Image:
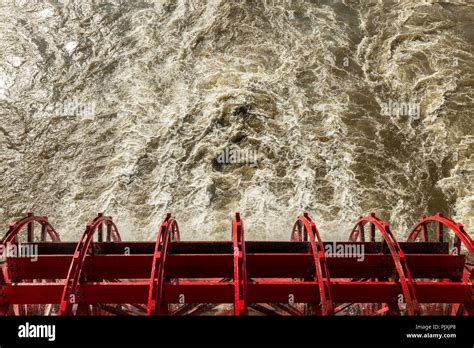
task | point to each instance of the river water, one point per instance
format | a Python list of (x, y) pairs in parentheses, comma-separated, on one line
[(337, 108)]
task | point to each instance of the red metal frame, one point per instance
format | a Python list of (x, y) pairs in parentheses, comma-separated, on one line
[(168, 232), (240, 267), (70, 292), (399, 259), (461, 237), (305, 229), (15, 228), (7, 276), (239, 277)]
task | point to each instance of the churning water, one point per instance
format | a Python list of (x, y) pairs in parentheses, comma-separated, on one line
[(338, 108)]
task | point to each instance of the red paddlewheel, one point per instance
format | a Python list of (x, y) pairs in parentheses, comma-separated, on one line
[(11, 242), (305, 230), (71, 297), (402, 272), (435, 228), (169, 232), (371, 274)]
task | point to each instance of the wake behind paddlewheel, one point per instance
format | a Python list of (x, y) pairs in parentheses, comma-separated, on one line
[(371, 274)]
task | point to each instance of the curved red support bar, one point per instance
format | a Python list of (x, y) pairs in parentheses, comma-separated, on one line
[(406, 280), (461, 235), (169, 231), (12, 237), (17, 227), (303, 230), (69, 295), (240, 267)]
